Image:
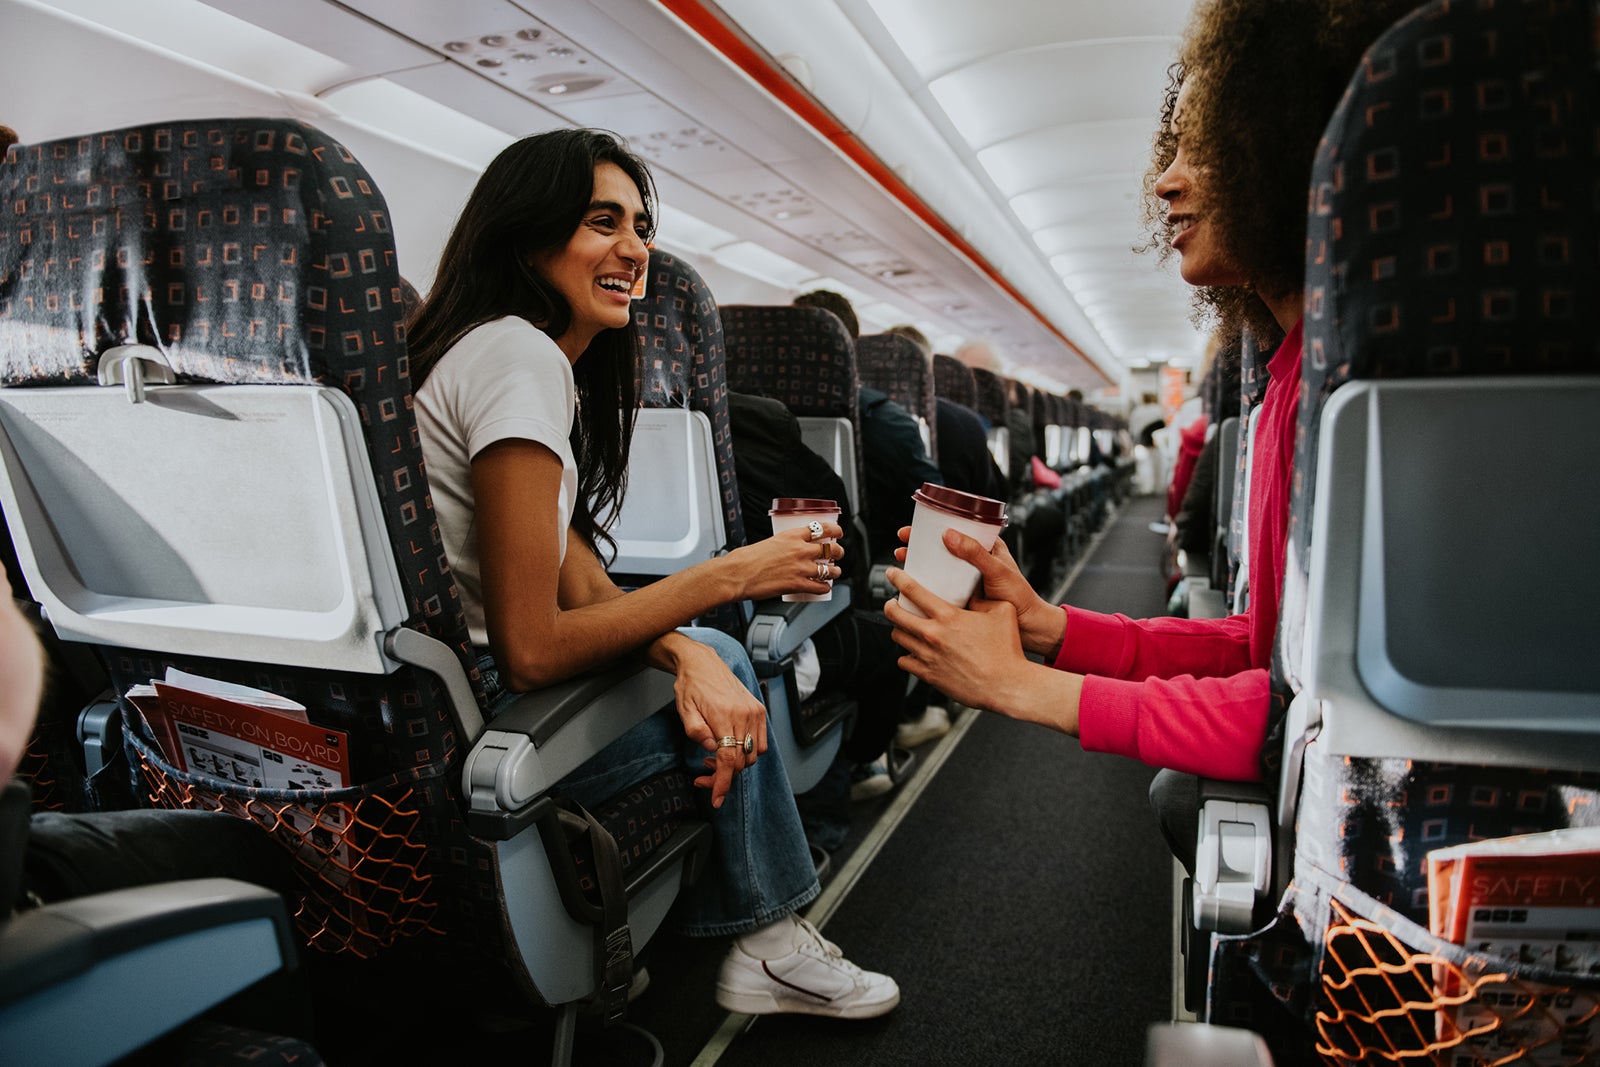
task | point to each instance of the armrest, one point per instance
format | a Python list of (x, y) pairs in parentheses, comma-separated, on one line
[(147, 959), (546, 734), (1206, 602), (1233, 858), (53, 943), (1204, 1045), (779, 628)]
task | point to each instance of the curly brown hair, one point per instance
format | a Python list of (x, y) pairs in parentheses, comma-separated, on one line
[(1263, 78)]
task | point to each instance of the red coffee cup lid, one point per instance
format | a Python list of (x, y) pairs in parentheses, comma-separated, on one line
[(982, 509), (799, 505)]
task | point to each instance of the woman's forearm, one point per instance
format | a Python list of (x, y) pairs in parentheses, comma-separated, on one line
[(1043, 695), (577, 638)]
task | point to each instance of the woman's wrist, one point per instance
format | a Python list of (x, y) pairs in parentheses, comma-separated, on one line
[(1045, 696), (1045, 629), (673, 650), (724, 577)]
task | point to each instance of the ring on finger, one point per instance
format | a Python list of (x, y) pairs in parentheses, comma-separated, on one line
[(816, 530), (823, 570), (827, 550)]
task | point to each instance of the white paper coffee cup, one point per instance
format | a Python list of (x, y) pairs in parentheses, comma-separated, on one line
[(791, 511), (939, 508)]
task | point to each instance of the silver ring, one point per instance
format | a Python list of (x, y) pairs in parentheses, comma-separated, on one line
[(822, 571), (729, 742), (816, 530), (749, 743)]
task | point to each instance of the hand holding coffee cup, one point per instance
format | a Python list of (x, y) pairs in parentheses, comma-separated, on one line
[(790, 512), (939, 508)]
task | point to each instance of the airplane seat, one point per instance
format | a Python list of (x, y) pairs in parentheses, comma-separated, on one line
[(1253, 359), (1227, 469), (683, 503), (952, 379), (993, 405), (410, 299), (209, 453), (1042, 520), (1050, 421), (53, 762), (804, 359), (1080, 476), (896, 367), (1438, 684)]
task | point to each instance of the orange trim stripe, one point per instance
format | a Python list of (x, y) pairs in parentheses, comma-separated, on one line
[(720, 33)]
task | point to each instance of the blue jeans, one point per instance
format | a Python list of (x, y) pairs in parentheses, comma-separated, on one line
[(760, 868)]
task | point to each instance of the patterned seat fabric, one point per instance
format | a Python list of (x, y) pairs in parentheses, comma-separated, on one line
[(992, 402), (1452, 233), (895, 366), (682, 363), (952, 379), (801, 357), (1254, 355), (259, 251)]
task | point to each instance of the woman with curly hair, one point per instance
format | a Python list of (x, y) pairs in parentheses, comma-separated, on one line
[(1253, 87)]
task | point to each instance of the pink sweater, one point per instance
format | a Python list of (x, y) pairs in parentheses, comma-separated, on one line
[(1192, 694)]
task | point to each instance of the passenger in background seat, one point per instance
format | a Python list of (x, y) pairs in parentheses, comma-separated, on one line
[(1194, 523), (964, 459), (1256, 81), (981, 355), (896, 465), (896, 462), (855, 652), (523, 355)]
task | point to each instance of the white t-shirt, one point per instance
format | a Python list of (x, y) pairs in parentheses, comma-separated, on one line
[(504, 379)]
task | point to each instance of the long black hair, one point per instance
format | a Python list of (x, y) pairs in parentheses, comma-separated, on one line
[(532, 199)]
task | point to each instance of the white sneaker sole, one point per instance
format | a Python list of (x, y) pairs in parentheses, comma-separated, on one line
[(914, 738), (767, 1004)]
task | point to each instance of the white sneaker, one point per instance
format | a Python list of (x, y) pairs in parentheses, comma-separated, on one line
[(870, 780), (934, 722), (813, 979)]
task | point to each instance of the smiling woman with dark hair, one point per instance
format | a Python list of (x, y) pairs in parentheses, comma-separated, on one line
[(524, 359)]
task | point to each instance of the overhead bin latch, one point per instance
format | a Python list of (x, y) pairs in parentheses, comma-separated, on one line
[(133, 366)]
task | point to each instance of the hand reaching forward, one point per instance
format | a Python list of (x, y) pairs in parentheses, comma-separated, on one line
[(971, 655), (974, 656), (1039, 623)]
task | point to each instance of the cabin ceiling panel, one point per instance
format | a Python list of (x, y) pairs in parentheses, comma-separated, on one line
[(1063, 153), (1100, 233), (334, 30), (1086, 200), (658, 131), (427, 20), (1059, 84), (458, 88), (939, 36)]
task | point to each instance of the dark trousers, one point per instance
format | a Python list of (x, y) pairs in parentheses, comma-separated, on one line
[(859, 657), (71, 856)]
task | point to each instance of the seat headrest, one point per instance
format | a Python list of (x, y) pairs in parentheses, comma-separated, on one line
[(245, 250)]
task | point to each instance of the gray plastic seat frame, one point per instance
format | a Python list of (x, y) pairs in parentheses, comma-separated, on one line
[(130, 529)]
